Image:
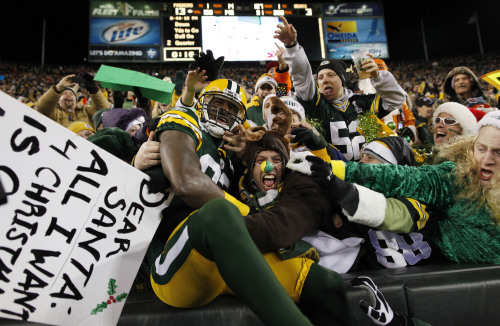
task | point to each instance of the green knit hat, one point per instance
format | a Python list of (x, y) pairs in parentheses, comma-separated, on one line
[(97, 117), (117, 142)]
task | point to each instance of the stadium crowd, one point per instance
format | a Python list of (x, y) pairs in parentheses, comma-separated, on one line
[(27, 81), (423, 187)]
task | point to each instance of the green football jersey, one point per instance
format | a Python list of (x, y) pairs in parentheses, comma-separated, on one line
[(214, 161), (340, 125)]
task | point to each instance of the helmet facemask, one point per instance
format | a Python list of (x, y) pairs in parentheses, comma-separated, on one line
[(217, 119)]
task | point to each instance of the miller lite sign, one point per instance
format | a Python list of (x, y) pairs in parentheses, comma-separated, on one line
[(125, 31)]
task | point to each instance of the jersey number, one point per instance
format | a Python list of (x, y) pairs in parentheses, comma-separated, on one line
[(214, 170), (351, 148)]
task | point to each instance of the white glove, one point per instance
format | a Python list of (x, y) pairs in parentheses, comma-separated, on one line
[(299, 163), (378, 310)]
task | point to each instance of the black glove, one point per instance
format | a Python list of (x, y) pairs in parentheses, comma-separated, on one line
[(87, 82), (118, 98), (143, 103), (379, 311), (158, 181), (153, 123), (179, 81), (335, 189), (307, 137), (208, 63)]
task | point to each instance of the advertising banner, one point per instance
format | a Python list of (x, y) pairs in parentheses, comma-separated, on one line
[(125, 9), (125, 31), (342, 36)]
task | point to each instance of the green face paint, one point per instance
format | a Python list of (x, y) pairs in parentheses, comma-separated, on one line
[(266, 167)]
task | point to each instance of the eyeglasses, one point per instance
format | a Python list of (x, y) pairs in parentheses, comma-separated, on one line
[(446, 121)]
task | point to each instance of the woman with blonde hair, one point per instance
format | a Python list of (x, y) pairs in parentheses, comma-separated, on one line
[(462, 191)]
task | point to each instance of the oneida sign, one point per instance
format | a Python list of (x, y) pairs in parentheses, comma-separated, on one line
[(124, 9)]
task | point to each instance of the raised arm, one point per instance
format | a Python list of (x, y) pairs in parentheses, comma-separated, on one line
[(295, 57)]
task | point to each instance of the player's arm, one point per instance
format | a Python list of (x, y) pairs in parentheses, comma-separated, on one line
[(182, 167)]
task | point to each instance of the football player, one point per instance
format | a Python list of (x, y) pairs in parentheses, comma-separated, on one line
[(210, 251)]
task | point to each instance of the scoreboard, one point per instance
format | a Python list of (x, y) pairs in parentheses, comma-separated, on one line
[(177, 31), (240, 9), (183, 27)]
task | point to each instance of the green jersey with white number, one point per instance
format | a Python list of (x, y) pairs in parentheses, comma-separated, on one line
[(214, 161), (339, 122)]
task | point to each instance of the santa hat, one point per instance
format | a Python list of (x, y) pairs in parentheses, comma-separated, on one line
[(266, 79), (459, 112), (272, 64), (490, 119)]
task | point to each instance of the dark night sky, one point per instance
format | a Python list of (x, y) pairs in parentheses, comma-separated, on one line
[(447, 33)]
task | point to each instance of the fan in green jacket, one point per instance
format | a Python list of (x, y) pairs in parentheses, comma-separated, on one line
[(463, 191)]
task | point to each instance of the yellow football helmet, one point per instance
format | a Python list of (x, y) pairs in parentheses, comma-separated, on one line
[(221, 106)]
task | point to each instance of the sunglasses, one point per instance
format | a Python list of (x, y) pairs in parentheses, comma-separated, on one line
[(446, 121)]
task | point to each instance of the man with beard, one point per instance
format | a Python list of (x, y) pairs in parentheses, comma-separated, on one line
[(59, 102), (462, 86)]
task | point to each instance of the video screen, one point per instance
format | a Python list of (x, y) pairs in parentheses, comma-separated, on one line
[(240, 38)]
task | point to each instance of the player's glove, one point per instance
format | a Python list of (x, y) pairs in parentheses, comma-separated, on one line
[(208, 63), (378, 310), (180, 78), (158, 182)]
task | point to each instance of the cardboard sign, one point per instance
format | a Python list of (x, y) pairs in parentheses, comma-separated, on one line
[(75, 223), (125, 80)]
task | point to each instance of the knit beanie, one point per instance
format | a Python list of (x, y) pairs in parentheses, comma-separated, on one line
[(117, 142), (295, 106), (266, 79), (97, 117), (392, 150), (336, 65), (459, 112), (72, 91), (78, 126), (490, 119)]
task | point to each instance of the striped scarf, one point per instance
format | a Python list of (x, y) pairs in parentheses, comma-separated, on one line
[(259, 200)]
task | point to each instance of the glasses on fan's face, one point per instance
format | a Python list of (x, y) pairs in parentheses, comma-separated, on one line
[(446, 121)]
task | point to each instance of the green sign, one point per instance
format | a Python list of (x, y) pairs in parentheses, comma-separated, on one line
[(125, 80)]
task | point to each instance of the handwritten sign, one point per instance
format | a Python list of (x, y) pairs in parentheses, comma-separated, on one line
[(75, 223)]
